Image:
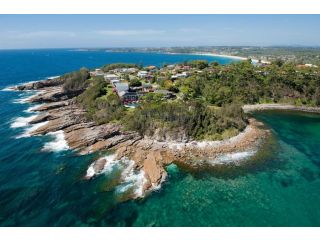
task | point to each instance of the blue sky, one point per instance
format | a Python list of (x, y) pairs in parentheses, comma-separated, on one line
[(67, 31)]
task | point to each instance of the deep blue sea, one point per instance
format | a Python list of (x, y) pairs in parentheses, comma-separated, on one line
[(278, 187)]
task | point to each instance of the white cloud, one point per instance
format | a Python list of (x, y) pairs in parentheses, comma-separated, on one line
[(130, 32)]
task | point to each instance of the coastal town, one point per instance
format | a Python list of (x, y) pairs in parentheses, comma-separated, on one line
[(130, 84), (133, 82)]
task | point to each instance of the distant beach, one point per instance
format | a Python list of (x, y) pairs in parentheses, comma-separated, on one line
[(229, 56)]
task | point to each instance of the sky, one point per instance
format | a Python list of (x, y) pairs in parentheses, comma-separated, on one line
[(80, 31)]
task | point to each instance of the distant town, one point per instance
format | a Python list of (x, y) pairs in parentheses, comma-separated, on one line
[(295, 54)]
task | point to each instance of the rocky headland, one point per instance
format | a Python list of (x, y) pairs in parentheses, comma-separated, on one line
[(60, 112)]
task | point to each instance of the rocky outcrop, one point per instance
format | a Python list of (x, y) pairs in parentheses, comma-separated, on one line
[(50, 106), (153, 155), (53, 94), (276, 106), (41, 84), (111, 142), (163, 135), (150, 154), (85, 137)]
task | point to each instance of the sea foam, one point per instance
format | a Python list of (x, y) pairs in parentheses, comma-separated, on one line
[(26, 99), (8, 89), (22, 121), (33, 108), (108, 166), (235, 157), (58, 144), (132, 179), (31, 129)]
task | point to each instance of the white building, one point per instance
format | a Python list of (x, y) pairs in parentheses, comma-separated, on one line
[(142, 74), (111, 77), (180, 75)]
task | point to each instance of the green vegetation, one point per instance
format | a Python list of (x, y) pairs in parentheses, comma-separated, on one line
[(208, 103), (248, 84), (113, 66), (196, 119), (199, 64), (135, 83), (76, 81), (100, 106)]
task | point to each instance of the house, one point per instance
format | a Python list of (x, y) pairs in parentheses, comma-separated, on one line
[(125, 70), (126, 94), (97, 72), (142, 74), (121, 87), (310, 65), (179, 75), (113, 82), (171, 66), (111, 77), (186, 68), (151, 68), (146, 87), (129, 70), (128, 97)]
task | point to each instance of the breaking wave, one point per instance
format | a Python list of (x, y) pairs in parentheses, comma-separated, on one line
[(235, 157), (58, 144), (33, 108), (108, 166), (31, 129), (130, 181), (22, 121), (26, 99)]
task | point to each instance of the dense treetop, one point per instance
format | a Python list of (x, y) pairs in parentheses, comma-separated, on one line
[(209, 100)]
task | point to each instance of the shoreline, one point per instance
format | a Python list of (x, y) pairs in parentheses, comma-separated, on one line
[(59, 116), (229, 56), (279, 106)]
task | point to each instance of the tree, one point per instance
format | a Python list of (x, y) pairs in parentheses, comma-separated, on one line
[(135, 83), (317, 96), (279, 62), (76, 81)]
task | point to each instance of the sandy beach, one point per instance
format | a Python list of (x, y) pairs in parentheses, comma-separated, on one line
[(229, 56)]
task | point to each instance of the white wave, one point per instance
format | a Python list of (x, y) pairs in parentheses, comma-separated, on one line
[(58, 144), (52, 77), (21, 100), (233, 157), (90, 171), (31, 129), (22, 121), (132, 179), (108, 166), (26, 99), (8, 89), (33, 108)]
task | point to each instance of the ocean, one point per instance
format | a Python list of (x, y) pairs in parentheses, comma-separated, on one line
[(42, 181)]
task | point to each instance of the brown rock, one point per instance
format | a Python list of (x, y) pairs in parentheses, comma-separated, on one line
[(152, 168)]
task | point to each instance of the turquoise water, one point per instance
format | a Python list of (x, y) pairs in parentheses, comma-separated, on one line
[(280, 186)]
